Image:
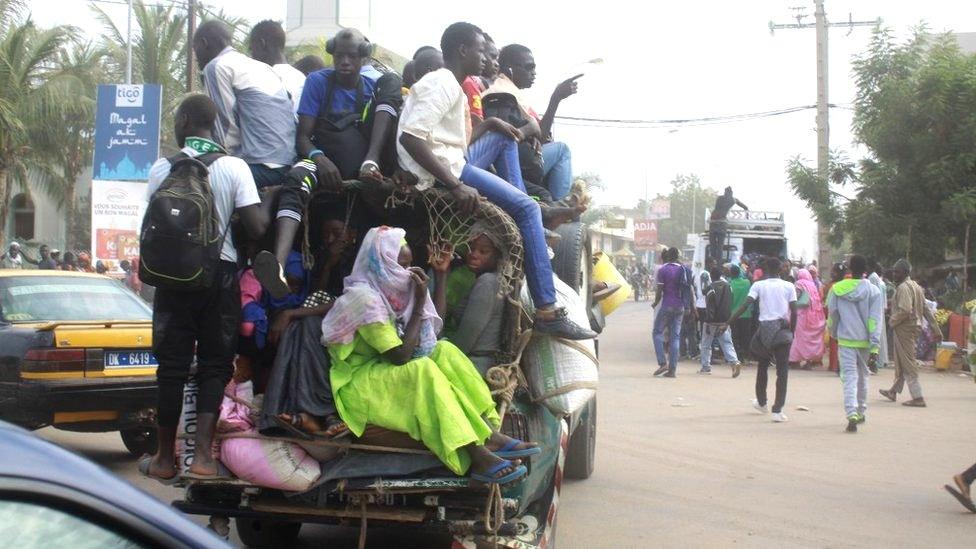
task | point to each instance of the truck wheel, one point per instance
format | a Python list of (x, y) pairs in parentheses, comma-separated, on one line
[(266, 533), (573, 261), (581, 455), (139, 440)]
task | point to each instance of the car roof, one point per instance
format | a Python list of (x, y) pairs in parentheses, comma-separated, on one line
[(5, 273), (27, 456)]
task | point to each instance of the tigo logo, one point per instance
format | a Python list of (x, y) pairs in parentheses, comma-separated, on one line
[(128, 95)]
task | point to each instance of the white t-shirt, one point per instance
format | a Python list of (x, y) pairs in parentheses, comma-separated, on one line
[(435, 111), (233, 187), (774, 296), (294, 80)]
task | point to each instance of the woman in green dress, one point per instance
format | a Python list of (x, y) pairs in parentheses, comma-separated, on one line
[(389, 370)]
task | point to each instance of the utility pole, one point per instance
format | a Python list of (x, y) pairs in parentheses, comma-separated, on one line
[(822, 27), (191, 27), (128, 46)]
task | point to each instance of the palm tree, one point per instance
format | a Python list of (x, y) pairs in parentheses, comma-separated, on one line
[(37, 94)]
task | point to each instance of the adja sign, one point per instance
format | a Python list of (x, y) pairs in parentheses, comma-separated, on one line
[(645, 234)]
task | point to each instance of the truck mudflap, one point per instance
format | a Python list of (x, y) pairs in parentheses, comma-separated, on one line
[(532, 530)]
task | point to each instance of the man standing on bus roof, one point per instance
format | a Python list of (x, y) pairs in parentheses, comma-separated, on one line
[(717, 224)]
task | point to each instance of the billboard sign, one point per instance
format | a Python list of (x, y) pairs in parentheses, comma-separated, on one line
[(126, 131), (660, 209), (645, 234), (117, 210)]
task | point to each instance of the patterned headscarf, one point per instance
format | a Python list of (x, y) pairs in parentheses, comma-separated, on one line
[(379, 290)]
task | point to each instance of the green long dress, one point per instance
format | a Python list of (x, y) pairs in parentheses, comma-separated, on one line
[(440, 400)]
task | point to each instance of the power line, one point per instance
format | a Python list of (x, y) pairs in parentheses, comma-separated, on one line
[(680, 122)]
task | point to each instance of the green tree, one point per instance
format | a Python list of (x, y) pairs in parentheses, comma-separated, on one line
[(913, 111), (38, 92), (689, 200), (962, 206)]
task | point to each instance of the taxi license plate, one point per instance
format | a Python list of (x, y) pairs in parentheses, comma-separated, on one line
[(129, 359)]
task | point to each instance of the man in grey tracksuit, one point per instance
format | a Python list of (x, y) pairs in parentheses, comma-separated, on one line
[(854, 320)]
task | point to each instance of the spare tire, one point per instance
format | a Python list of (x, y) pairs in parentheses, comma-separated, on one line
[(573, 264)]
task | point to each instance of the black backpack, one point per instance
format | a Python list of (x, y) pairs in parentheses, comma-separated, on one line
[(181, 239), (506, 107)]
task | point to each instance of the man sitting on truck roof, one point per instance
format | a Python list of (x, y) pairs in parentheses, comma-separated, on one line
[(432, 144), (346, 123)]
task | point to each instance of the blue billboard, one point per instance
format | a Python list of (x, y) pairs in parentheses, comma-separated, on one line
[(126, 131)]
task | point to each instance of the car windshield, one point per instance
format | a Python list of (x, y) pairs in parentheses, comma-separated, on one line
[(53, 298)]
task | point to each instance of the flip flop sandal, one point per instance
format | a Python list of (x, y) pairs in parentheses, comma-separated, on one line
[(292, 427), (510, 450), (966, 502), (144, 469), (600, 295), (198, 476), (270, 274), (335, 428), (491, 476)]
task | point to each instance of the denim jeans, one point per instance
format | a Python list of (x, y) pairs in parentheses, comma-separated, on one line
[(502, 152), (668, 318), (724, 341), (557, 169)]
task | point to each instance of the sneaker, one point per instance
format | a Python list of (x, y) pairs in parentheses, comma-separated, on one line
[(852, 421), (270, 274), (761, 407), (736, 369), (780, 417), (861, 418), (561, 326), (888, 394), (661, 370), (915, 403), (704, 372), (670, 374)]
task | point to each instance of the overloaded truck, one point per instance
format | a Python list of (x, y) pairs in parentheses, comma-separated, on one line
[(748, 232), (385, 480)]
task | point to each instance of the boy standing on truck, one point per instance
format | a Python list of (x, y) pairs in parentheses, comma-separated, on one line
[(854, 320)]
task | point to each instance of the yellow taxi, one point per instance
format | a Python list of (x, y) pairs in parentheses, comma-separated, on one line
[(76, 353)]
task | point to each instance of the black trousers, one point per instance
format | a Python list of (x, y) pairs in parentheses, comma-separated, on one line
[(782, 357), (716, 239), (208, 320), (741, 336)]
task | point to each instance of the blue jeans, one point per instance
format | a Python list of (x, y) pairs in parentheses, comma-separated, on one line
[(494, 149), (724, 341), (557, 169), (668, 318)]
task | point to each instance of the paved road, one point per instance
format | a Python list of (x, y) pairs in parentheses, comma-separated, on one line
[(714, 473)]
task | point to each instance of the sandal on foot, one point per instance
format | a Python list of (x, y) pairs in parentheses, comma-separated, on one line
[(491, 476), (199, 476), (335, 427), (292, 426), (144, 462), (509, 450), (270, 274), (965, 501)]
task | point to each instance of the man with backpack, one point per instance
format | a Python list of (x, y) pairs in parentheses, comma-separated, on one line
[(671, 294), (718, 309), (197, 303)]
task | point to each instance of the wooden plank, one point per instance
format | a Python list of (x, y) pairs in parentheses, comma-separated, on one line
[(372, 512)]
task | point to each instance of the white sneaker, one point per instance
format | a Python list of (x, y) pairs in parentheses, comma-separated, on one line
[(761, 407), (780, 417)]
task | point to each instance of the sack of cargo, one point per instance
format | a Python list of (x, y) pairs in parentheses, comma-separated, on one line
[(561, 374), (271, 464), (604, 271), (187, 428)]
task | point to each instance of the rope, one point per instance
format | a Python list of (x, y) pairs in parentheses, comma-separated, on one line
[(494, 512), (362, 524)]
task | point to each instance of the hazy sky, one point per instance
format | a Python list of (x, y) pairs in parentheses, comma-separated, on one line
[(663, 60)]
